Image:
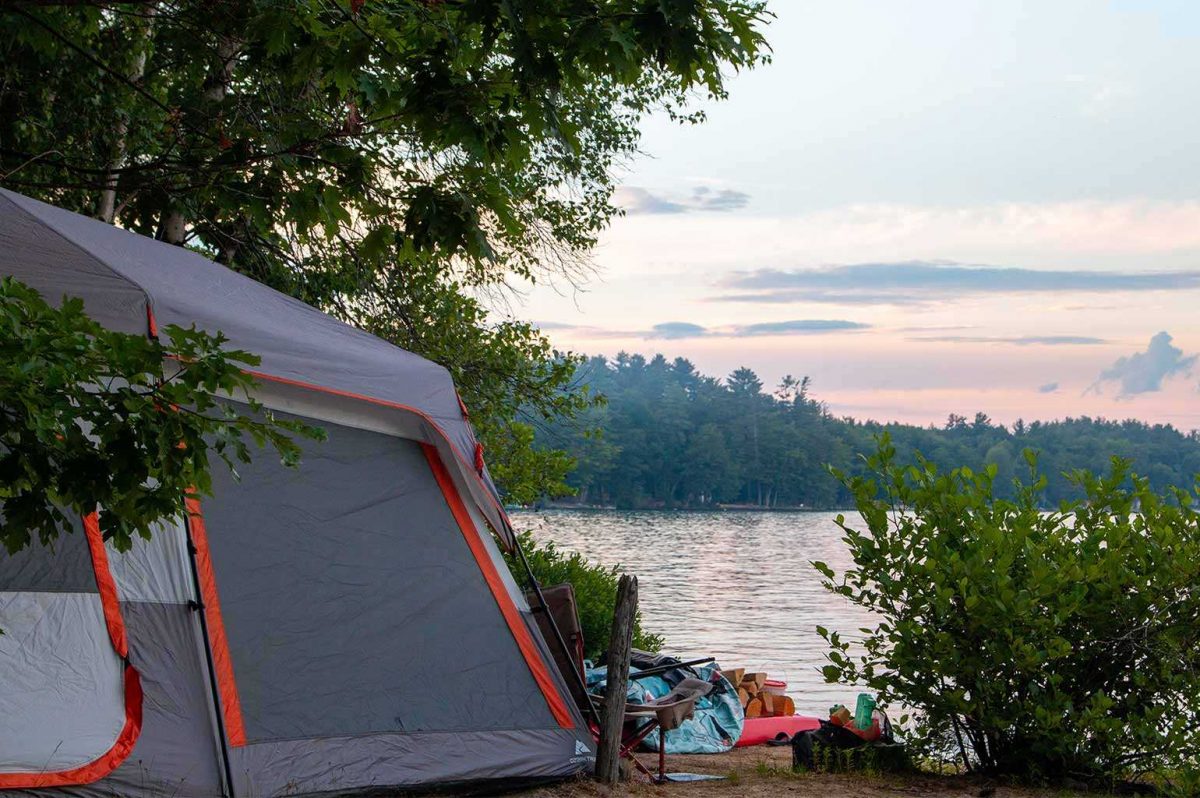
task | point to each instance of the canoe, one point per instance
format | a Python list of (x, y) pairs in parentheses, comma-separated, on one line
[(758, 731)]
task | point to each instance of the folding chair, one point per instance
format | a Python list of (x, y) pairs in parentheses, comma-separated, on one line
[(666, 713)]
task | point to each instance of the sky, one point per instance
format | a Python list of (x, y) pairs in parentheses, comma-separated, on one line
[(928, 208)]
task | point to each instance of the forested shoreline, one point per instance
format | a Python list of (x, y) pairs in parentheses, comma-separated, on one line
[(670, 437)]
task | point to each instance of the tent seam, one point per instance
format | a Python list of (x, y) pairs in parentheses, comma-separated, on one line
[(229, 698)]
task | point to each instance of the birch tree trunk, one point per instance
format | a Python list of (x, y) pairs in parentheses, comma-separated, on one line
[(142, 31), (173, 229)]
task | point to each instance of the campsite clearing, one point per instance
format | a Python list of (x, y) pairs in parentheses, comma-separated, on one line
[(766, 771)]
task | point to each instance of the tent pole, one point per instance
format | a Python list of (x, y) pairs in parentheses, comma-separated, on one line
[(537, 589), (198, 606)]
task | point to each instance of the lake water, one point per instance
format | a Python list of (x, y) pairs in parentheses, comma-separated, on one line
[(734, 585)]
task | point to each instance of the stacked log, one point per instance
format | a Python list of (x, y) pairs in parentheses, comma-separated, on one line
[(757, 701)]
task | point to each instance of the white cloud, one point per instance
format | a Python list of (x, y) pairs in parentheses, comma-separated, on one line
[(636, 200)]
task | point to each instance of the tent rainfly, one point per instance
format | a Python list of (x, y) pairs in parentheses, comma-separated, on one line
[(345, 626)]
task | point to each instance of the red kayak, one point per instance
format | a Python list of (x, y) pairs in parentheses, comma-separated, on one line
[(758, 731)]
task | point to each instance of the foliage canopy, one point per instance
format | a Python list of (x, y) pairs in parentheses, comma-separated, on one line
[(1038, 644), (395, 162)]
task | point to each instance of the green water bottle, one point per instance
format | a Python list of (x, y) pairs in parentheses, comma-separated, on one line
[(863, 711)]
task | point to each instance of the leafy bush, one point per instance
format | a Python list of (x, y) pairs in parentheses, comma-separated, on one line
[(1029, 642), (595, 592), (88, 418)]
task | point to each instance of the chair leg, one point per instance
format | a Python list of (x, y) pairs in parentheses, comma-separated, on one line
[(637, 763), (633, 741), (662, 755)]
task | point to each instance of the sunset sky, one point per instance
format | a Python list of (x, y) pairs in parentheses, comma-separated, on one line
[(928, 208)]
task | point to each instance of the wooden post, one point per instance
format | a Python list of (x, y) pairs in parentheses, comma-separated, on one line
[(612, 715)]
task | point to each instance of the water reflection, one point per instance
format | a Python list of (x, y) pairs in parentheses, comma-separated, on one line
[(734, 585)]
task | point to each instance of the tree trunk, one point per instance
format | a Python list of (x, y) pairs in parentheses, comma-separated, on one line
[(106, 211), (228, 48), (612, 715), (173, 228)]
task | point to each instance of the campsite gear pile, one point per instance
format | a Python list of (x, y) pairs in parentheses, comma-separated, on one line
[(716, 723), (662, 694), (719, 717), (760, 696), (846, 742), (281, 638)]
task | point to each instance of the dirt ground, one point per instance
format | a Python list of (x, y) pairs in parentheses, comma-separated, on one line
[(766, 771)]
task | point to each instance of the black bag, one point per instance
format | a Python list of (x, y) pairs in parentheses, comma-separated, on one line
[(803, 745), (830, 735)]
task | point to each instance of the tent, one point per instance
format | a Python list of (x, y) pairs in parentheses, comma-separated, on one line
[(345, 626)]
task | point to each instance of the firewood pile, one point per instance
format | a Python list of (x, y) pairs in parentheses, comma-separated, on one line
[(760, 697)]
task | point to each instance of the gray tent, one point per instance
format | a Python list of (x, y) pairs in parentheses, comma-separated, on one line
[(343, 626)]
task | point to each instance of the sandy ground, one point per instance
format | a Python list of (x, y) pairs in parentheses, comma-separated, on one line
[(766, 771)]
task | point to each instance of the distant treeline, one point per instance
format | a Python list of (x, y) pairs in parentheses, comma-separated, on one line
[(669, 436)]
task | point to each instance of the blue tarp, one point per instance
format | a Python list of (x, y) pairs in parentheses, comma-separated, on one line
[(719, 718)]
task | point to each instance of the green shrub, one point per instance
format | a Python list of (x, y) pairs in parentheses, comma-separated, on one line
[(595, 592), (1035, 643)]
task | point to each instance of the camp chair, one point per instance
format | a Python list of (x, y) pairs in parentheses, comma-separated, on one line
[(558, 619), (665, 714)]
